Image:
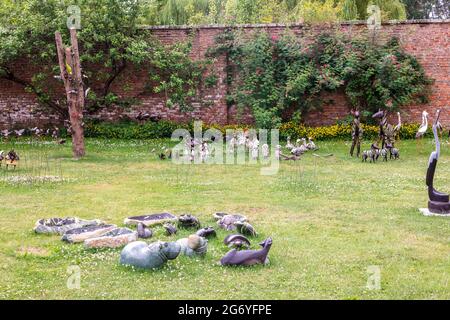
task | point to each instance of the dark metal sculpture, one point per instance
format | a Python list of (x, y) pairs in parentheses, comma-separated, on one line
[(170, 229), (246, 228), (388, 132), (115, 238), (194, 245), (144, 232), (207, 232), (438, 202), (357, 134), (151, 219), (248, 257), (237, 241), (188, 221), (149, 256)]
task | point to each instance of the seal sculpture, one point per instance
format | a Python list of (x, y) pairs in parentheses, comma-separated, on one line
[(248, 257), (194, 245), (228, 221), (149, 256), (438, 202)]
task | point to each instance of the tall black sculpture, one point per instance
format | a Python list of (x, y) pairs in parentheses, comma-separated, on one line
[(438, 202), (357, 134)]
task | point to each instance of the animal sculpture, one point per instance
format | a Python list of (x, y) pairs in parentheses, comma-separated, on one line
[(149, 256), (194, 245), (248, 257), (236, 241), (424, 126), (439, 202), (357, 133)]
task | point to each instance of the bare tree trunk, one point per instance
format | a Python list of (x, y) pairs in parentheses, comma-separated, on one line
[(69, 63)]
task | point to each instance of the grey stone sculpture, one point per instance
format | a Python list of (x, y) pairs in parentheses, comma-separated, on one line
[(237, 241), (207, 232), (143, 232), (154, 255), (115, 238), (83, 233), (245, 228), (151, 219), (62, 225), (248, 257), (194, 245), (170, 229), (228, 221)]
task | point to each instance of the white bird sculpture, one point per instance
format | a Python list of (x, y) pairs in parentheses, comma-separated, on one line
[(311, 145), (424, 126), (20, 132), (289, 145)]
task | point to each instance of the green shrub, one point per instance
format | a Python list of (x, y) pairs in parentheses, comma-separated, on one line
[(164, 129)]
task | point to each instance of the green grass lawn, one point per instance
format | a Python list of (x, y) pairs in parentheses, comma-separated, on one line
[(330, 220)]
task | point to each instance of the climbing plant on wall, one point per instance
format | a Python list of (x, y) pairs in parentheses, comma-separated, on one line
[(275, 74)]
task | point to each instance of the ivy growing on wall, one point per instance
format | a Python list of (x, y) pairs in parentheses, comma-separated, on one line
[(272, 75)]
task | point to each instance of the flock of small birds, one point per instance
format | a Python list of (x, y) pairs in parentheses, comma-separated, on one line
[(37, 132)]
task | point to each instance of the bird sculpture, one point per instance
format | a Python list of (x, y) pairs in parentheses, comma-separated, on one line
[(311, 145), (6, 133), (20, 132), (300, 148), (2, 157), (289, 145), (424, 126)]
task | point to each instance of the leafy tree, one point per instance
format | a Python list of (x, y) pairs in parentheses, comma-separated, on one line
[(178, 12), (349, 10), (427, 9), (110, 39)]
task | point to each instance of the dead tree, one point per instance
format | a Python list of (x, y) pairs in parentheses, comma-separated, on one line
[(69, 63)]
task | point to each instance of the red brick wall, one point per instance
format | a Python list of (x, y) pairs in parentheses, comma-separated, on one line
[(428, 41)]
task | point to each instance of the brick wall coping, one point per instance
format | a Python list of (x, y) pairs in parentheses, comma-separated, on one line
[(275, 25)]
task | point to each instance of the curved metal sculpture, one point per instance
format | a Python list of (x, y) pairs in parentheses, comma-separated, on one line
[(438, 202)]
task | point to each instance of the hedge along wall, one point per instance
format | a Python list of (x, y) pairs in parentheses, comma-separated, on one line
[(428, 40)]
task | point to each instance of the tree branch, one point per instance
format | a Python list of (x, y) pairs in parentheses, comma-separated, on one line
[(9, 75)]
